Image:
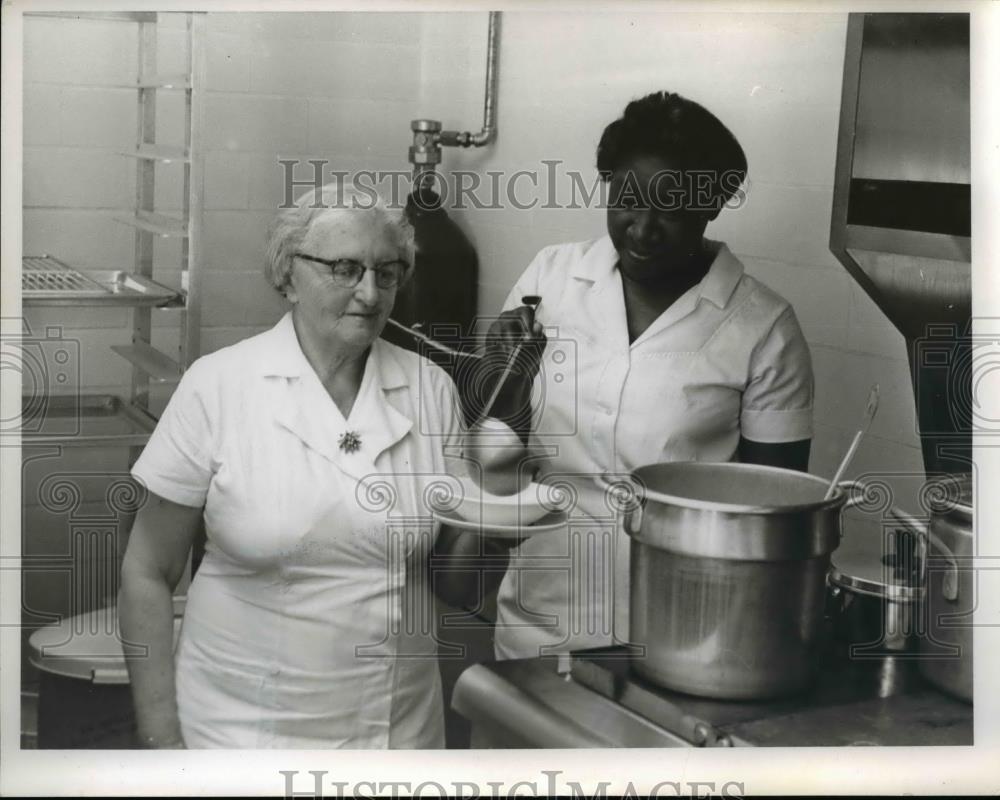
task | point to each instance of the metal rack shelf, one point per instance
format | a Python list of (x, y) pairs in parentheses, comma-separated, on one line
[(165, 82), (159, 367), (47, 281), (85, 421), (107, 420), (157, 224), (166, 155)]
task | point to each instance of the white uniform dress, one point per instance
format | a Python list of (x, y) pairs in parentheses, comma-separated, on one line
[(726, 359), (309, 621)]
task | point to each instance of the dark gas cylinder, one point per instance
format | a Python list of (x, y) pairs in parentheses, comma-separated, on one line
[(442, 292), (441, 295)]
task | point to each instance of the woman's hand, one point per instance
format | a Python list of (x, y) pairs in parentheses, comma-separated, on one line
[(510, 330), (467, 569)]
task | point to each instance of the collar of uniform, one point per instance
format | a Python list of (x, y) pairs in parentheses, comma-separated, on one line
[(283, 357), (598, 261), (718, 285), (375, 416), (723, 275)]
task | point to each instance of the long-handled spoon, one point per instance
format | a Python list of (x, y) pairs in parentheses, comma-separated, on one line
[(532, 301), (870, 411), (432, 342)]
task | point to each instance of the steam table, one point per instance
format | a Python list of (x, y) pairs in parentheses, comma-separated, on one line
[(590, 699)]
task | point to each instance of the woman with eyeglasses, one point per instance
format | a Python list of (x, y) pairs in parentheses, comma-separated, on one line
[(308, 623)]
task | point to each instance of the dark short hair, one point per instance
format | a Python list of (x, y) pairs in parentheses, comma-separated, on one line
[(671, 127)]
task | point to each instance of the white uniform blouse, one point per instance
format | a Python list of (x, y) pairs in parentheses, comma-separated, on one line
[(309, 623), (726, 359)]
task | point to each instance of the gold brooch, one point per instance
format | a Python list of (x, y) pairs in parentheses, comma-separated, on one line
[(349, 442)]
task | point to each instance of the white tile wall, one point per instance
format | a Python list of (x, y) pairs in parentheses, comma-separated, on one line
[(869, 330), (227, 183), (234, 239), (75, 177), (98, 117), (255, 122), (87, 238), (228, 68), (241, 298), (42, 115), (819, 296), (360, 127), (82, 52)]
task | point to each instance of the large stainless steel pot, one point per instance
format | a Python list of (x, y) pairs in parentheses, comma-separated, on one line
[(945, 644), (728, 576)]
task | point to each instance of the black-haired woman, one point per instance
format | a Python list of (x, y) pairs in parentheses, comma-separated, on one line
[(661, 348)]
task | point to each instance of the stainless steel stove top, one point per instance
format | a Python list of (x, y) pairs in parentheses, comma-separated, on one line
[(592, 699)]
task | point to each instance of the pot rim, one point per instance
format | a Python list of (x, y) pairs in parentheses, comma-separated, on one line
[(835, 501), (893, 592)]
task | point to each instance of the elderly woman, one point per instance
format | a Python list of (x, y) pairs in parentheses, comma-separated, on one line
[(307, 623), (679, 355)]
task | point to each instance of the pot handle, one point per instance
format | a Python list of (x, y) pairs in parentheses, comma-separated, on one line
[(949, 587), (633, 518), (853, 498), (949, 584)]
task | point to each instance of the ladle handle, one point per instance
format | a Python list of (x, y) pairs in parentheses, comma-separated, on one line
[(531, 301), (420, 337), (871, 408)]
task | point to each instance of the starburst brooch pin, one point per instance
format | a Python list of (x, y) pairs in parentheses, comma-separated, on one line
[(350, 442)]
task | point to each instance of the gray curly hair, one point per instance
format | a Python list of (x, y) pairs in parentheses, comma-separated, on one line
[(290, 226)]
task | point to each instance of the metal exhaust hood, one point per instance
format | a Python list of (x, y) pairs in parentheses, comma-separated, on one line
[(902, 206)]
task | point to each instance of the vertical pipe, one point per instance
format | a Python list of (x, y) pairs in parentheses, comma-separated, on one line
[(486, 135)]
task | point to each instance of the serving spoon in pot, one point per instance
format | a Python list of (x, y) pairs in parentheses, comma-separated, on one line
[(870, 411)]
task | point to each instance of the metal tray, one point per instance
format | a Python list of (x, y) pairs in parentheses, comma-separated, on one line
[(47, 281)]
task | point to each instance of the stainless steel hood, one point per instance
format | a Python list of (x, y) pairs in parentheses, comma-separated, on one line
[(902, 206)]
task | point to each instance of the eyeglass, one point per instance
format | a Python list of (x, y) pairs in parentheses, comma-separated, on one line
[(347, 272)]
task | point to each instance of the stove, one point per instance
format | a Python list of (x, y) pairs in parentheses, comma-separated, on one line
[(592, 699)]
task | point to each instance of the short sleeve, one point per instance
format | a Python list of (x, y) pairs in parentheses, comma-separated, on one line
[(778, 400), (452, 424), (177, 461)]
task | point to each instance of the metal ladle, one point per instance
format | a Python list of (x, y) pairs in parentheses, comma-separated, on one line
[(870, 411), (431, 342), (532, 301)]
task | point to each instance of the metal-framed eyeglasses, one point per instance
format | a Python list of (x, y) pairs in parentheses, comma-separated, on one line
[(347, 273)]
